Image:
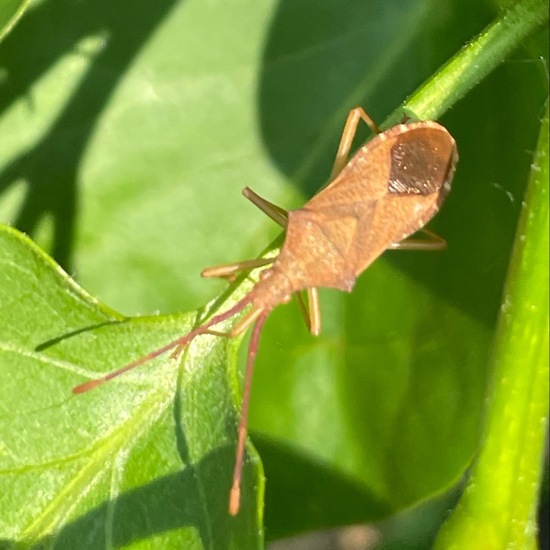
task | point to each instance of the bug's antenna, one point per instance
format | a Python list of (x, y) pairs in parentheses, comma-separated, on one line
[(177, 343), (235, 495)]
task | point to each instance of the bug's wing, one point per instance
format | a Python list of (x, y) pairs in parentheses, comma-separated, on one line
[(364, 178), (394, 219), (421, 162), (406, 159), (391, 188), (326, 231)]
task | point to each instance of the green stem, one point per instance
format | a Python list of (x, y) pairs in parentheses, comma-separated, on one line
[(477, 59), (10, 12), (499, 506)]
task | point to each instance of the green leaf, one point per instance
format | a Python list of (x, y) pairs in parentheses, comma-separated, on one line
[(500, 503), (159, 446)]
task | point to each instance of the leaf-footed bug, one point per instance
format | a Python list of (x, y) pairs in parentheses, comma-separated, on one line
[(389, 189)]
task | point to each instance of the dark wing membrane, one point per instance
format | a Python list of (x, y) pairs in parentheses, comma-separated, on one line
[(420, 161)]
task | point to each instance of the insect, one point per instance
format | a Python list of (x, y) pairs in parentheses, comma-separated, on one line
[(389, 190)]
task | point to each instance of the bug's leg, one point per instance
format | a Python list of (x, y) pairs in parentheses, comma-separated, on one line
[(314, 311), (235, 494), (276, 213), (350, 129), (433, 242), (303, 308), (239, 328), (229, 271), (311, 312)]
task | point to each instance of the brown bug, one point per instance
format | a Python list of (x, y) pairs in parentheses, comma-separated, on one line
[(389, 190)]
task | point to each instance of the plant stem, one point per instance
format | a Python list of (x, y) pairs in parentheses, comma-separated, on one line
[(474, 61), (499, 506)]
